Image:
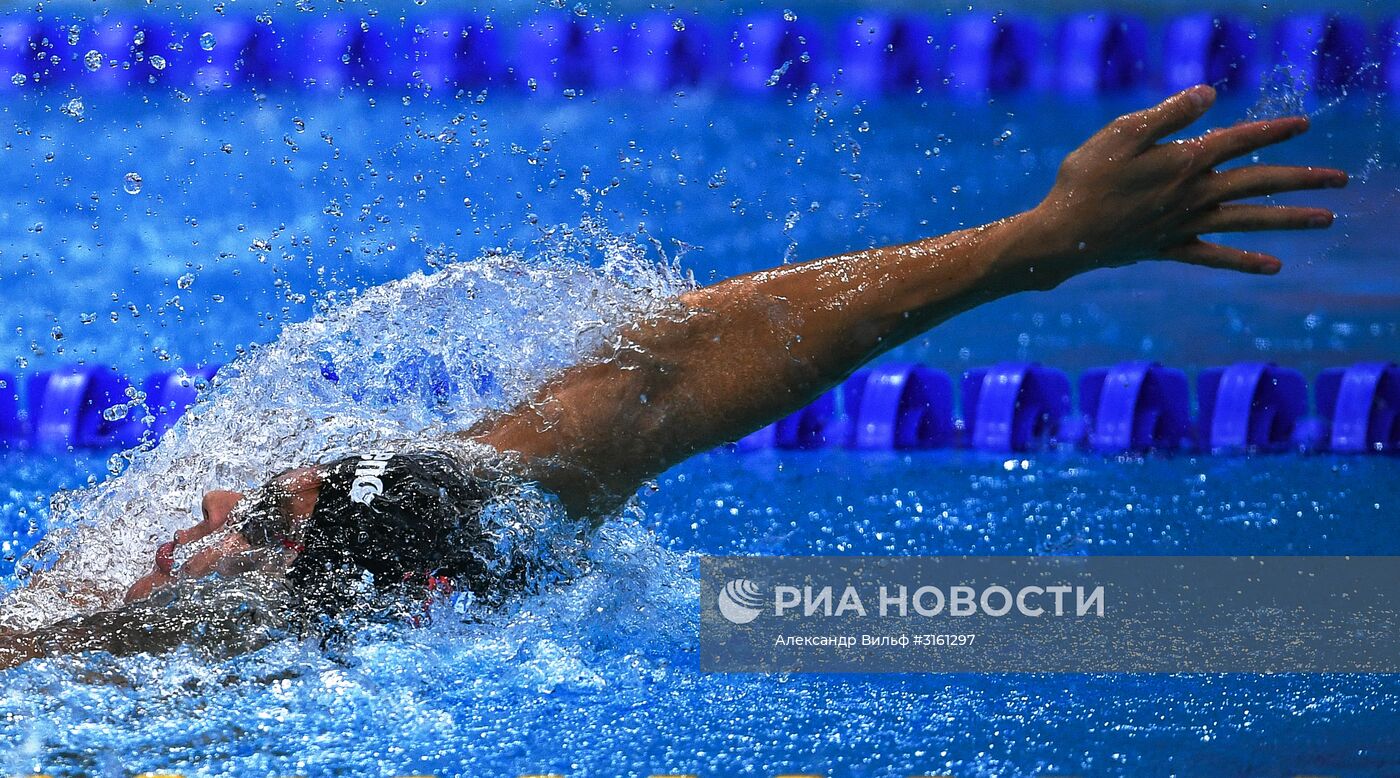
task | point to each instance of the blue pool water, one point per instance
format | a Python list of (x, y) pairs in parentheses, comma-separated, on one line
[(255, 213)]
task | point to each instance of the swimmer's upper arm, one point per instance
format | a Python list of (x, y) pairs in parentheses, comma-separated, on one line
[(705, 370)]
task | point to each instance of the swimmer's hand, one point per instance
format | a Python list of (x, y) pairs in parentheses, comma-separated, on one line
[(1126, 195)]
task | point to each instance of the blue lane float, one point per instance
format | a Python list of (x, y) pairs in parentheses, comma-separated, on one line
[(324, 54), (901, 407), (1101, 52), (1013, 406), (885, 53), (769, 52), (1251, 406), (220, 52), (170, 394), (66, 407), (1135, 407), (666, 53), (810, 427), (1325, 51), (1361, 406), (994, 54), (1206, 48)]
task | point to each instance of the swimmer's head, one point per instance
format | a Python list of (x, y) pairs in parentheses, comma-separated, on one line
[(237, 532)]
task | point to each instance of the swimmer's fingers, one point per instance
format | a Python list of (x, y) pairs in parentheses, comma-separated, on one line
[(1263, 180), (1253, 218), (1170, 116), (1199, 252), (1220, 146)]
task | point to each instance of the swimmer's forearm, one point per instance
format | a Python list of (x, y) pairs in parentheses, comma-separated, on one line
[(148, 626)]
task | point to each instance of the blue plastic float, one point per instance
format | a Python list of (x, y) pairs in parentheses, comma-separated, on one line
[(1101, 52), (1208, 49), (1251, 406), (1327, 52), (1361, 406), (170, 394), (1135, 407), (994, 54), (1013, 406), (666, 52), (323, 54), (885, 53), (66, 407), (770, 52), (902, 406), (809, 427)]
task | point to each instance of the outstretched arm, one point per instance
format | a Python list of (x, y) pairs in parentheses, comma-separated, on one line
[(728, 358)]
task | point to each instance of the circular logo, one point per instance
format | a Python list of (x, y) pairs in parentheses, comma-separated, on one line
[(740, 602)]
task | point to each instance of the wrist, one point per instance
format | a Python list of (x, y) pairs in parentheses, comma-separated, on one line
[(1027, 253)]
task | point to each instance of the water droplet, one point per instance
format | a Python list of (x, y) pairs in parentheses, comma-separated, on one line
[(18, 79), (93, 60), (185, 281), (131, 183), (158, 62), (299, 123), (678, 25), (206, 41), (789, 15), (227, 148), (777, 75), (73, 108), (73, 33)]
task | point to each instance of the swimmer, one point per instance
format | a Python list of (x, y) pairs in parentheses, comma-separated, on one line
[(719, 362)]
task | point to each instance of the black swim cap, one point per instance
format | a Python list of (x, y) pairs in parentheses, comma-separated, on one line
[(401, 518)]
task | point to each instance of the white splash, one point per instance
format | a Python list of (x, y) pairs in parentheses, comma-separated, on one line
[(413, 359)]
